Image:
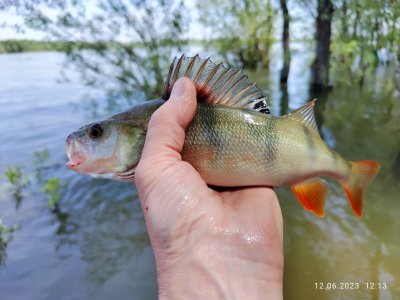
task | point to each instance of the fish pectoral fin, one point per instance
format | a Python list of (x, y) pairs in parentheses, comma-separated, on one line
[(216, 84), (312, 193)]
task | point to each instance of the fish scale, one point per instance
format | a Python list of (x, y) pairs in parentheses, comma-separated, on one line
[(246, 152)]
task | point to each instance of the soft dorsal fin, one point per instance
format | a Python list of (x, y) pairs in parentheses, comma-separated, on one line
[(305, 115), (216, 84)]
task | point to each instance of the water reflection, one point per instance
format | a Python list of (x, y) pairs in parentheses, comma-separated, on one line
[(110, 222), (65, 227), (284, 99), (3, 252), (396, 165), (319, 108), (6, 235), (109, 104), (359, 124)]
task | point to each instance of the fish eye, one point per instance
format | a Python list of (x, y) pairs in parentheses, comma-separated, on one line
[(95, 130)]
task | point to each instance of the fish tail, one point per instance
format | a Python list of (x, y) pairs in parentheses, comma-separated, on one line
[(362, 174)]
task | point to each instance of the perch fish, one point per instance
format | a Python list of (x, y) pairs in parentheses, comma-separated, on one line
[(233, 140)]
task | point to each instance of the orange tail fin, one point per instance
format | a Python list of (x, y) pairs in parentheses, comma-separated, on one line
[(362, 174)]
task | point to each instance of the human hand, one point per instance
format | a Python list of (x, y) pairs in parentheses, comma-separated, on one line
[(207, 244)]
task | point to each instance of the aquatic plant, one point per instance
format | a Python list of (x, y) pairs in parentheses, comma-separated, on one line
[(6, 235), (40, 158), (14, 175), (18, 181), (52, 188)]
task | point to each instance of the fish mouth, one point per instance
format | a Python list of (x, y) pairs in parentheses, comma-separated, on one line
[(75, 157), (72, 164)]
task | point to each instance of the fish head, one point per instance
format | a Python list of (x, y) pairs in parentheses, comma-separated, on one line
[(109, 147), (112, 147)]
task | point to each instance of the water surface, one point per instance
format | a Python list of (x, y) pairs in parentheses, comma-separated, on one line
[(96, 246)]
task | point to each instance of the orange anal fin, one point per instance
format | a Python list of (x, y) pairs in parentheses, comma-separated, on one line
[(362, 174), (311, 194)]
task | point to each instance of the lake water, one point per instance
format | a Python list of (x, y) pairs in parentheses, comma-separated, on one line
[(96, 246)]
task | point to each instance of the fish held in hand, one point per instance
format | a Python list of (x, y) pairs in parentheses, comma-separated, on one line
[(233, 140)]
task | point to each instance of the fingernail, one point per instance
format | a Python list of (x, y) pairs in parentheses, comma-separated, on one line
[(178, 90)]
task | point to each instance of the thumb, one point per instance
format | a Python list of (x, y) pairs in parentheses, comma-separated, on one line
[(166, 132)]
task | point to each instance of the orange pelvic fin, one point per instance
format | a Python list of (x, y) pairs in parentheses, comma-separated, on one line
[(362, 174), (311, 194)]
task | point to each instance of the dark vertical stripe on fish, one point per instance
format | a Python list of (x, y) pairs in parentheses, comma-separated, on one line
[(310, 144), (309, 138), (271, 139), (334, 156), (210, 123), (202, 135)]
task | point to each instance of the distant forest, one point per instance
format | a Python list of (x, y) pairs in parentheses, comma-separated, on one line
[(15, 46)]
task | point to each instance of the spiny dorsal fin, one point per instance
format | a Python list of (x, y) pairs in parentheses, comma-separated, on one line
[(305, 115), (216, 84)]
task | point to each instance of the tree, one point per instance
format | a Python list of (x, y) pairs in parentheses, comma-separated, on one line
[(360, 29), (241, 29), (285, 42), (320, 66), (118, 45)]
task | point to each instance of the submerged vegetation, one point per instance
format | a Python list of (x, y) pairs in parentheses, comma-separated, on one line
[(6, 235), (52, 188), (14, 176), (17, 180)]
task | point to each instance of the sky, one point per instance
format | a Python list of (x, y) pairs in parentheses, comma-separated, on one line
[(10, 17), (301, 22), (8, 33)]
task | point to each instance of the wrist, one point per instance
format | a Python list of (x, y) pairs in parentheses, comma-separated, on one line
[(209, 272)]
